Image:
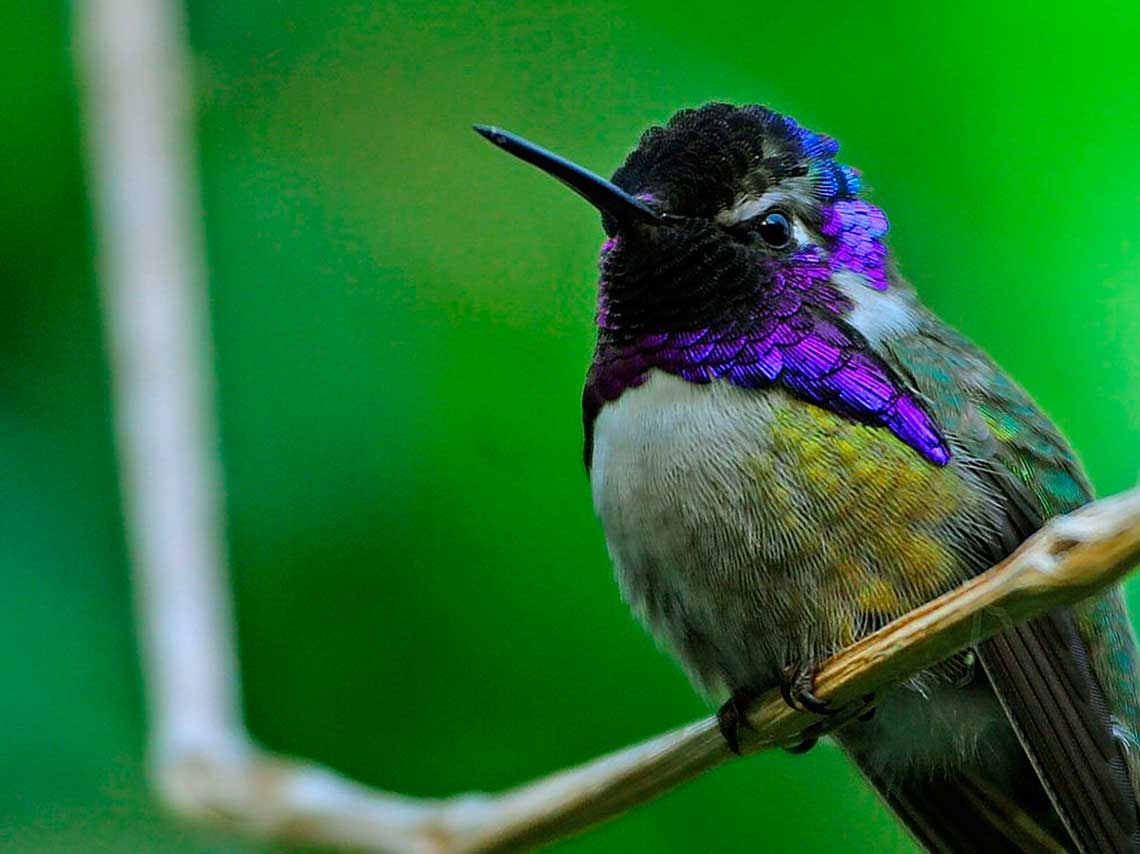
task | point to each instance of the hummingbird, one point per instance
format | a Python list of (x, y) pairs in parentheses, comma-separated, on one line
[(787, 450)]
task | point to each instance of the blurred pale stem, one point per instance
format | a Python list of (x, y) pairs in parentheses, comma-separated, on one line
[(135, 79), (135, 85)]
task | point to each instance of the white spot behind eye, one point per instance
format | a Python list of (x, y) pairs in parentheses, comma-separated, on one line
[(877, 314)]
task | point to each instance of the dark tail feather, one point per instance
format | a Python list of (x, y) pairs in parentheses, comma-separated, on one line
[(1042, 674), (962, 814)]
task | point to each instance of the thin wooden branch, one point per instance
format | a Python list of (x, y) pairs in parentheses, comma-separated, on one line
[(1071, 558), (134, 76)]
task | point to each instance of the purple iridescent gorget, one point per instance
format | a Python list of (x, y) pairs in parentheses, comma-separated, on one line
[(705, 306)]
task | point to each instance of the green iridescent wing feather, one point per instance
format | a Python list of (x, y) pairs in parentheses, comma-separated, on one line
[(1031, 453), (1035, 454), (1039, 458), (1068, 681)]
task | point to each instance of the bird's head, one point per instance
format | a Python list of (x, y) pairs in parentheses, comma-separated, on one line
[(722, 213), (738, 248)]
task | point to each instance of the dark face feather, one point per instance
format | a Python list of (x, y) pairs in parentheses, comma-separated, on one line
[(711, 264)]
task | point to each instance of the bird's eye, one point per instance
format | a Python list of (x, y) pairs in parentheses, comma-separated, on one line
[(775, 229)]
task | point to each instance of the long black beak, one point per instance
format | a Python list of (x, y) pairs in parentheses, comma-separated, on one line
[(605, 195)]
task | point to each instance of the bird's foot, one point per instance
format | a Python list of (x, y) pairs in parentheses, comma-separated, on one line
[(733, 715), (798, 691)]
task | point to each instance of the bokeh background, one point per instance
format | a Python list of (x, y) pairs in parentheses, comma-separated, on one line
[(402, 319)]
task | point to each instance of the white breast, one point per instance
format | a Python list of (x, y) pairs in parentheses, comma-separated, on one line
[(675, 440), (674, 487)]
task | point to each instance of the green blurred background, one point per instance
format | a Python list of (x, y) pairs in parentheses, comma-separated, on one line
[(402, 319)]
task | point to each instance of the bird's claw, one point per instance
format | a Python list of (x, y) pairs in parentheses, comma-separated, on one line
[(798, 691), (733, 715)]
